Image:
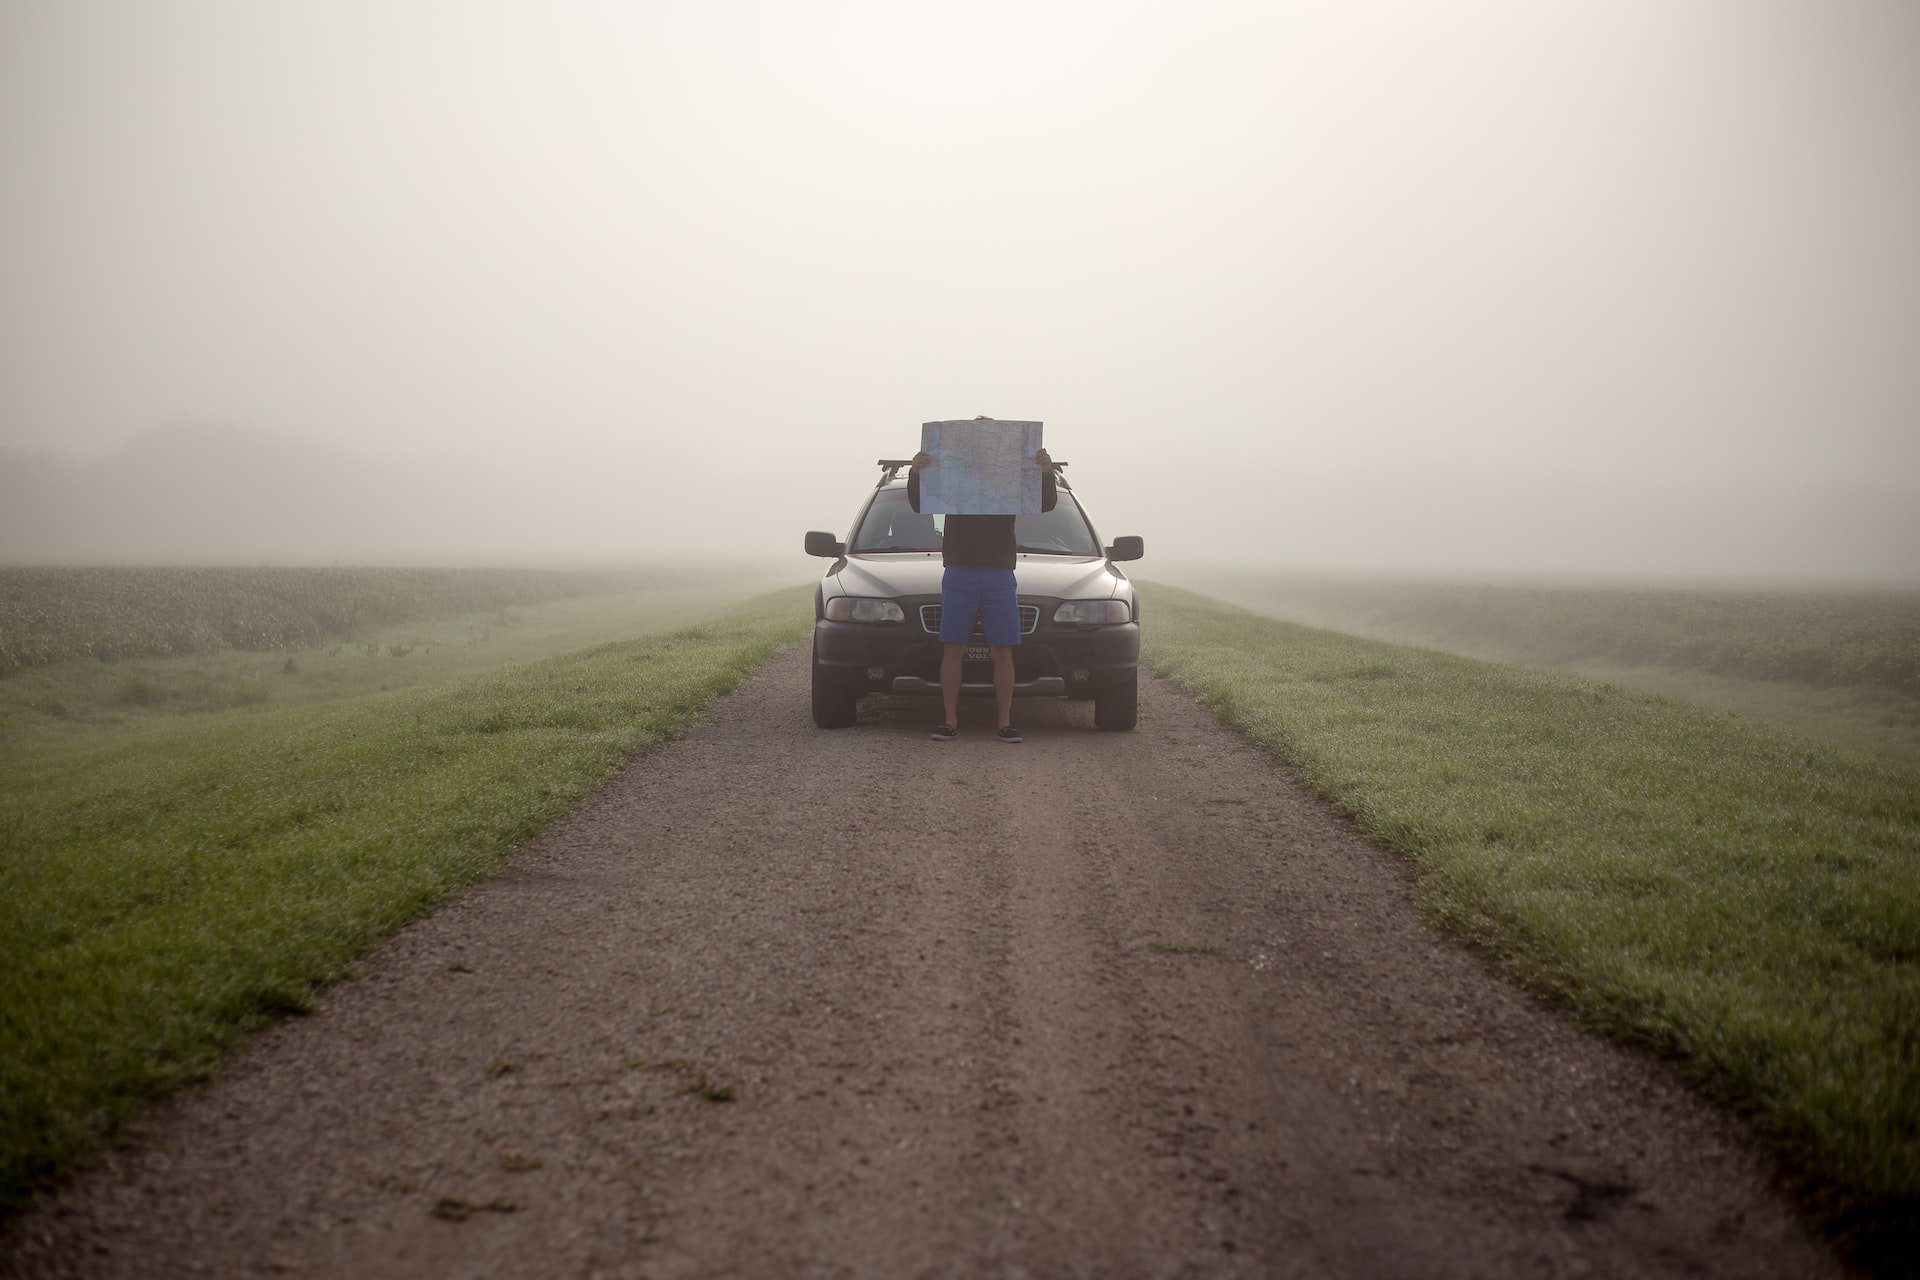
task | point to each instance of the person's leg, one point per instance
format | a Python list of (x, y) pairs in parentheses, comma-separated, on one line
[(1003, 682), (950, 681), (959, 604), (1000, 619)]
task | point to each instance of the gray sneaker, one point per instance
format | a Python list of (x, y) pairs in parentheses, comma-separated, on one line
[(945, 733), (1011, 734)]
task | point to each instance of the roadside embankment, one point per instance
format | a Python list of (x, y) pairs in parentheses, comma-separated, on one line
[(1837, 663)]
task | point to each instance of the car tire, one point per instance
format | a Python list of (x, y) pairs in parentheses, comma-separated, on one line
[(835, 706), (1118, 708)]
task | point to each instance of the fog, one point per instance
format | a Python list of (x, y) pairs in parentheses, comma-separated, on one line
[(1622, 287)]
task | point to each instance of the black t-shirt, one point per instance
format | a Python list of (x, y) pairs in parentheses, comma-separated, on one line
[(981, 542)]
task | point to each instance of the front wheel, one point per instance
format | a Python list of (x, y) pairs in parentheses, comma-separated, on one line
[(835, 706), (1118, 707)]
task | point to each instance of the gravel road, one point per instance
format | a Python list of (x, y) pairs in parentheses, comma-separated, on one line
[(780, 1002)]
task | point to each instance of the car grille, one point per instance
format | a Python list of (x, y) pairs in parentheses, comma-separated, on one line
[(930, 620)]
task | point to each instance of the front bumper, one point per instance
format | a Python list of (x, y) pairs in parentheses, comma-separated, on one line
[(1052, 661)]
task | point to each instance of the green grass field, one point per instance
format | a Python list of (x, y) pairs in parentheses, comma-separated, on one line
[(1714, 887), (50, 614), (184, 864), (47, 705), (1839, 664)]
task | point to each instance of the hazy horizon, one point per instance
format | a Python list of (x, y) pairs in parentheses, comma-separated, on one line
[(1598, 288)]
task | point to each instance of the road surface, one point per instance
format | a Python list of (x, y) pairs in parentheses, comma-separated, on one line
[(784, 1002)]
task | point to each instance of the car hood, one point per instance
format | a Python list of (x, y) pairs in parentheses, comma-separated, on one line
[(1063, 577)]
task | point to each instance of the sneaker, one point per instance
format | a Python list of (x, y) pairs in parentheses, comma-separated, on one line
[(1010, 734), (945, 733)]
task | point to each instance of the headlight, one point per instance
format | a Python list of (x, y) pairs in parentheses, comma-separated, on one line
[(1092, 613), (850, 609)]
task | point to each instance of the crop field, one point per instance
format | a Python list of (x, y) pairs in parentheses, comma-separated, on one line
[(186, 861), (1744, 897), (1839, 664), (52, 703), (50, 614)]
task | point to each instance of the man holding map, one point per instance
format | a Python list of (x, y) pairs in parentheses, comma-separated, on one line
[(980, 474)]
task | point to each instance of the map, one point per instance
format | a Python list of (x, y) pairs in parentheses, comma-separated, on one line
[(981, 467)]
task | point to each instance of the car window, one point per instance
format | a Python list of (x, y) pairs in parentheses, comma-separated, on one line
[(892, 525), (1061, 531)]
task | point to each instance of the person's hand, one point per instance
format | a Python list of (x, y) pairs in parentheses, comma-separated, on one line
[(1045, 460), (923, 459)]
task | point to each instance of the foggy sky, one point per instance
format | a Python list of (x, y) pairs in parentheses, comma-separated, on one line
[(1616, 285)]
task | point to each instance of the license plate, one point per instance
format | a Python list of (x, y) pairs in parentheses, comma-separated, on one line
[(978, 653)]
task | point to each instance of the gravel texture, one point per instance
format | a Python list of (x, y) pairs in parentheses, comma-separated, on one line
[(784, 1002)]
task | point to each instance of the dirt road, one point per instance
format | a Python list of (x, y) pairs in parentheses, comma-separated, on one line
[(781, 1002)]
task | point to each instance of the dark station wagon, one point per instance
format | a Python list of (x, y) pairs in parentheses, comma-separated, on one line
[(876, 614)]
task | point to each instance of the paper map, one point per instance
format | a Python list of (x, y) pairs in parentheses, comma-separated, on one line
[(981, 467)]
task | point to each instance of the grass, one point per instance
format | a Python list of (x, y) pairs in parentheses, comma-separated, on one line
[(1842, 664), (1740, 896), (52, 614), (45, 708), (173, 878), (1182, 949)]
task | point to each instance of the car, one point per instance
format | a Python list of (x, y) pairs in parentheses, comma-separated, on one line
[(876, 614)]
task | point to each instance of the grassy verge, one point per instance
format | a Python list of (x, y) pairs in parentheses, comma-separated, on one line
[(1840, 664), (161, 896), (1715, 888)]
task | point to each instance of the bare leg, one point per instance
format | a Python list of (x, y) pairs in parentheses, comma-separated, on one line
[(950, 682), (1003, 682)]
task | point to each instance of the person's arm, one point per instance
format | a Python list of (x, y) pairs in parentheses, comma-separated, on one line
[(1049, 491), (920, 460)]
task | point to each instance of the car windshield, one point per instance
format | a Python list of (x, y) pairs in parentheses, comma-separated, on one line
[(892, 525)]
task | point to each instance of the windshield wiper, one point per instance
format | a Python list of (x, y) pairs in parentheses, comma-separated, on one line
[(1048, 551), (860, 551)]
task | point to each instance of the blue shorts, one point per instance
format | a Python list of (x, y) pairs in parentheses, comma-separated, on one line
[(990, 593)]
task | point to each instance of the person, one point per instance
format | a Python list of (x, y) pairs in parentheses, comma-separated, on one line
[(979, 554)]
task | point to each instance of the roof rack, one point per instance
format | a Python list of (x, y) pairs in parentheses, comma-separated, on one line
[(890, 468)]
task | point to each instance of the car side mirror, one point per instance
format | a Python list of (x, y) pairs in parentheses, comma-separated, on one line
[(1127, 548), (825, 544)]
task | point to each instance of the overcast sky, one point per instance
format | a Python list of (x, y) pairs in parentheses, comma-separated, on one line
[(1521, 285)]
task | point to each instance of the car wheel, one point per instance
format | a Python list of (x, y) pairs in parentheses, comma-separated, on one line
[(1118, 707), (835, 706)]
